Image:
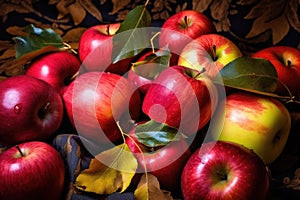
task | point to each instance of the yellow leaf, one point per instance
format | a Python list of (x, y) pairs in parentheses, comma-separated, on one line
[(110, 171), (149, 189)]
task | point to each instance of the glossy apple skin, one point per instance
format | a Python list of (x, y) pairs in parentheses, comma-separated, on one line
[(200, 53), (30, 109), (142, 82), (56, 68), (177, 31), (95, 49), (181, 100), (165, 163), (95, 101), (39, 174), (259, 123), (222, 170), (286, 61)]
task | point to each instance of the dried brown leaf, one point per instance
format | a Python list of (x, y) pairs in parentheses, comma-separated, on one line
[(269, 16), (201, 6), (62, 8), (9, 53), (219, 9), (149, 189), (16, 30), (158, 6), (293, 15), (6, 9), (118, 5), (164, 15), (52, 2), (91, 9), (5, 44), (77, 12), (73, 35)]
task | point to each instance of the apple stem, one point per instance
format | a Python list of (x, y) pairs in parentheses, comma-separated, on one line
[(186, 21), (20, 151), (222, 175), (107, 30), (214, 54), (289, 63)]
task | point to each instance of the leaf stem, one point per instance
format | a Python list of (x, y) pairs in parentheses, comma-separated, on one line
[(151, 41)]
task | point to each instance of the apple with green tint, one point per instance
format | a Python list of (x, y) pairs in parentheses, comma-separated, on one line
[(210, 52), (257, 122)]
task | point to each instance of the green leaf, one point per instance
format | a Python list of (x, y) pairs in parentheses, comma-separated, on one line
[(153, 64), (154, 134), (132, 37), (36, 39), (109, 172), (251, 74)]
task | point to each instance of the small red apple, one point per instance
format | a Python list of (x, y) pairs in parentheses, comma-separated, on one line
[(30, 109), (286, 61), (222, 170), (96, 101), (95, 49), (181, 28), (56, 68), (31, 170)]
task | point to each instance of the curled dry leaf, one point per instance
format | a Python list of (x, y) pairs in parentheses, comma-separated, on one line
[(118, 5), (269, 16), (73, 35), (149, 189), (110, 171), (91, 9)]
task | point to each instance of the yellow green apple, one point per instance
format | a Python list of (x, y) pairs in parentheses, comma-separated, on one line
[(257, 122), (209, 52)]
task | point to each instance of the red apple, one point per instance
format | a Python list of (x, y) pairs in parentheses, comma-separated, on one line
[(143, 72), (30, 109), (224, 170), (95, 49), (165, 162), (181, 98), (210, 52), (96, 101), (286, 61), (181, 28), (56, 68), (31, 170)]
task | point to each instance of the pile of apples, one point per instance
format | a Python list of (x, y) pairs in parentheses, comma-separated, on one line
[(124, 102)]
